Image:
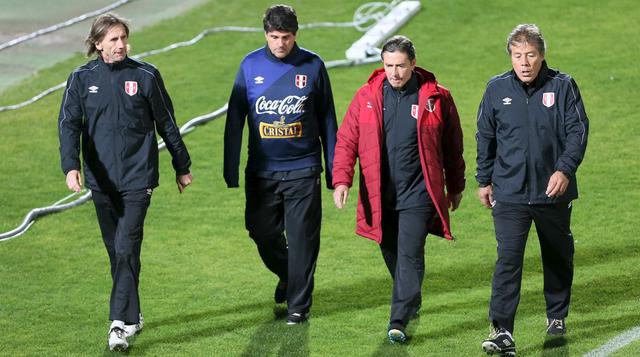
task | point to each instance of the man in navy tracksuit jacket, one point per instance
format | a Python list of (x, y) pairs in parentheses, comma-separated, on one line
[(114, 105), (285, 93), (532, 136)]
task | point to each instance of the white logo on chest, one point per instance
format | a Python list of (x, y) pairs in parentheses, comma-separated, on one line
[(258, 80), (289, 105), (93, 89), (506, 101)]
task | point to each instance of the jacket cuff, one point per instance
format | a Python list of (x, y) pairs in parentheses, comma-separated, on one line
[(182, 171), (336, 184)]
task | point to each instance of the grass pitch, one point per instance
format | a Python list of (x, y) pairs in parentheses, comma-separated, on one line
[(203, 287)]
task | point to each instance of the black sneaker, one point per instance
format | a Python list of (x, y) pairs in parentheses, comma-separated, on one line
[(499, 342), (280, 295), (297, 318), (556, 327), (396, 335)]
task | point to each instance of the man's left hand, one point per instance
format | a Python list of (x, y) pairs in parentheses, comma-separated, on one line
[(453, 200), (557, 184), (183, 181)]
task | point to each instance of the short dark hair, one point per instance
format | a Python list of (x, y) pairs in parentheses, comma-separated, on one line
[(99, 30), (400, 43), (280, 18), (527, 33)]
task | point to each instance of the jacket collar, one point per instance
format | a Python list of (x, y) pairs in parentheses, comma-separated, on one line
[(427, 83), (540, 80), (287, 59), (112, 66)]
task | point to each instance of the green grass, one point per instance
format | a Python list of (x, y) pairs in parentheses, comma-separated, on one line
[(204, 289)]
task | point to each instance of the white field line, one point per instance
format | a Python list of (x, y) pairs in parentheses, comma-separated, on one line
[(616, 343)]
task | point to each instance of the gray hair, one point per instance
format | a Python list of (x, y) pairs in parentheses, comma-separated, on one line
[(99, 30), (400, 43), (526, 33)]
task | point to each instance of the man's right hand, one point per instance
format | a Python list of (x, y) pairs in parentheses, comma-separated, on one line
[(340, 195), (486, 196), (74, 180)]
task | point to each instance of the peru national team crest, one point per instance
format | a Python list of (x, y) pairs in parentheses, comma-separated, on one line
[(301, 80), (548, 98), (131, 87), (431, 105), (414, 111)]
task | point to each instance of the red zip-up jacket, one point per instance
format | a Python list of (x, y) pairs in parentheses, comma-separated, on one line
[(439, 141)]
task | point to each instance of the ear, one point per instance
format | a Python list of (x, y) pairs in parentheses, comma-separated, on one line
[(98, 46)]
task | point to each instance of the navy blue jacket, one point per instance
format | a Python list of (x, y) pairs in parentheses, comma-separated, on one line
[(116, 109), (526, 134), (290, 111)]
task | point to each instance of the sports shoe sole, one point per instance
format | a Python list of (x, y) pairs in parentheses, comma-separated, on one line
[(491, 349), (396, 336), (119, 348)]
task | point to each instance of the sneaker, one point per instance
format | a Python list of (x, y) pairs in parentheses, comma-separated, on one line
[(280, 295), (131, 330), (396, 335), (297, 318), (117, 337), (499, 341), (556, 327)]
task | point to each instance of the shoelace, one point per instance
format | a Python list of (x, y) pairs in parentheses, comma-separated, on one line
[(119, 332), (557, 324)]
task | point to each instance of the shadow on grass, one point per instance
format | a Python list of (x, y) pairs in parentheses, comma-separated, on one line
[(555, 346), (356, 296), (275, 338), (273, 335), (590, 297)]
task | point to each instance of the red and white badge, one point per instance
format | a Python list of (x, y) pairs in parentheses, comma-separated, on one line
[(414, 111), (431, 105), (301, 80), (131, 87), (548, 98)]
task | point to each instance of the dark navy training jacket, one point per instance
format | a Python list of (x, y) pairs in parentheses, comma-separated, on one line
[(526, 133), (116, 109), (289, 106)]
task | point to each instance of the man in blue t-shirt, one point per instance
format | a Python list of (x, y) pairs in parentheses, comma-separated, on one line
[(283, 92)]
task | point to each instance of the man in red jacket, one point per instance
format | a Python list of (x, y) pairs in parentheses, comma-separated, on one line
[(405, 130)]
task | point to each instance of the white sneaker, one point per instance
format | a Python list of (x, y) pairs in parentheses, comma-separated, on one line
[(130, 330), (117, 336)]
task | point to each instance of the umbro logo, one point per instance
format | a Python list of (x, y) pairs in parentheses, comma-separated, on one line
[(506, 101), (93, 89), (259, 80), (369, 105)]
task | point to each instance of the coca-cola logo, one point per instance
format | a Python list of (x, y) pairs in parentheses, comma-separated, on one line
[(289, 105)]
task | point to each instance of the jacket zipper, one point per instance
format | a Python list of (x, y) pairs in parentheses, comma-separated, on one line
[(115, 128)]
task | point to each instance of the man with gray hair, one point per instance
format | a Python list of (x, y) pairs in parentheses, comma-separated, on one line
[(532, 136), (404, 129)]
